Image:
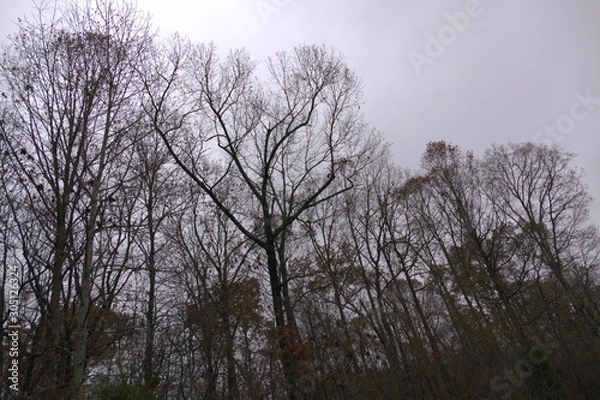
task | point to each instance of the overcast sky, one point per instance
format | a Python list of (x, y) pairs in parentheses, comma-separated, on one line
[(471, 72)]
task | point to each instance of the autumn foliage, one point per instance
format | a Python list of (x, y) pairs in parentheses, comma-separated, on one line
[(187, 225)]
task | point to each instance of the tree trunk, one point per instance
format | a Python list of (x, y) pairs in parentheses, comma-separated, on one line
[(81, 324), (148, 363)]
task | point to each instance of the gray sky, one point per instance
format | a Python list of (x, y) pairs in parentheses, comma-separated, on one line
[(495, 71)]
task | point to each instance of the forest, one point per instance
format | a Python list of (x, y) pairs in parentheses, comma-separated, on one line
[(180, 222)]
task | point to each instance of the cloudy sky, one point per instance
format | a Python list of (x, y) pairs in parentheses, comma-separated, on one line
[(470, 72)]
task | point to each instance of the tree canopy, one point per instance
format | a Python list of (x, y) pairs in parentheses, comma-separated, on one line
[(179, 223)]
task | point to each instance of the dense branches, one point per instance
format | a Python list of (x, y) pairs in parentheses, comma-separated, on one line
[(191, 226)]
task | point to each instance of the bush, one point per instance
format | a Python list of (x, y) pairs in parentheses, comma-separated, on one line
[(122, 391)]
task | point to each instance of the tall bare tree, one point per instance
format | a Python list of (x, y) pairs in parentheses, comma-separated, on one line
[(70, 77), (284, 139)]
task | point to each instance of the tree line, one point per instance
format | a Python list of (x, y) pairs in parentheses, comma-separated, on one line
[(188, 225)]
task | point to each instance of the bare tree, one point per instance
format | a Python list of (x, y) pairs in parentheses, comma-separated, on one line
[(284, 139), (221, 290), (159, 197), (543, 196), (73, 118)]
